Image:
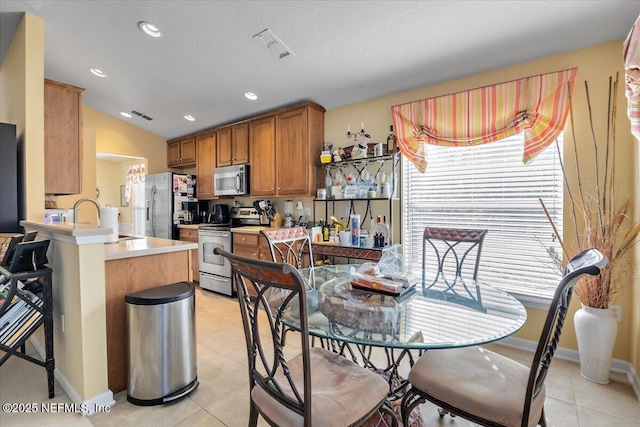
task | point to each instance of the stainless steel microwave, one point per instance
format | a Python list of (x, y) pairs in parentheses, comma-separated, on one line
[(231, 180)]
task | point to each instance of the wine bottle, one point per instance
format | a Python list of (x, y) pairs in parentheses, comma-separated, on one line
[(391, 141)]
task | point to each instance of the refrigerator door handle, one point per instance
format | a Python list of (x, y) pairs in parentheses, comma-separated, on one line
[(153, 211), (148, 207)]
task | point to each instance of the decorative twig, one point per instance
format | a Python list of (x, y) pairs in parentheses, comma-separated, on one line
[(555, 231)]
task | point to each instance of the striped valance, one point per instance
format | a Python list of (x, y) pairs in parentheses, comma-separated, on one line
[(536, 105), (631, 51)]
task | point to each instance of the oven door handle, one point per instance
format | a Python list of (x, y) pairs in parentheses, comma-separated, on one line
[(215, 233)]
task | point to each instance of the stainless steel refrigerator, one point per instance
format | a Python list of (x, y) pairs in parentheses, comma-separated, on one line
[(164, 194)]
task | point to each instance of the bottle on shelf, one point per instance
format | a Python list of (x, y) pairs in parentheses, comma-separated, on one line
[(391, 141), (325, 232)]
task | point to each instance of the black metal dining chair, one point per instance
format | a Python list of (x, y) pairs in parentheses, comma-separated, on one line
[(447, 253), (316, 387), (291, 245), (488, 388)]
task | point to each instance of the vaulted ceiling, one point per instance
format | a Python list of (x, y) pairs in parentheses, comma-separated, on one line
[(342, 52)]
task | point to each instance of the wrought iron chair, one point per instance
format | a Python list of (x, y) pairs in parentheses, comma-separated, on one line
[(317, 387), (490, 389), (290, 245), (452, 248)]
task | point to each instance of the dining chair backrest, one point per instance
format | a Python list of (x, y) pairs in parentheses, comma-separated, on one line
[(267, 364), (447, 251), (589, 261), (290, 245)]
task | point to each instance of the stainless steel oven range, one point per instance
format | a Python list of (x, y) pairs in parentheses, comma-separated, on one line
[(215, 270)]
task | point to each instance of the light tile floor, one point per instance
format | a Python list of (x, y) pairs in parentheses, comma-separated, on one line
[(222, 397)]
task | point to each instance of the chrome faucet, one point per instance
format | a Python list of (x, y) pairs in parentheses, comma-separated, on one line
[(77, 204)]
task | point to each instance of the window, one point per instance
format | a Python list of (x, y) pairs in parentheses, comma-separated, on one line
[(488, 186), (137, 197)]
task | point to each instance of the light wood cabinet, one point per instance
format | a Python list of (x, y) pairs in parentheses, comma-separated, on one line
[(206, 162), (283, 152), (251, 245), (62, 138), (233, 145), (191, 235), (181, 152), (263, 151), (240, 144), (299, 137)]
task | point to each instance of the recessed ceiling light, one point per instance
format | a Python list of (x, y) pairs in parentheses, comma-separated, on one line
[(149, 29), (250, 95), (127, 115), (98, 73), (190, 118)]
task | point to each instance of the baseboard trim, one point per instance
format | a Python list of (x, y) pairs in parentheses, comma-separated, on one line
[(618, 366), (99, 403)]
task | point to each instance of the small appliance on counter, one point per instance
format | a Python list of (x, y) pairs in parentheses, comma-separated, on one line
[(219, 214)]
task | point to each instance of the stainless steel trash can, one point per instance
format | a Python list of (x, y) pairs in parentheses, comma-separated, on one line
[(161, 338)]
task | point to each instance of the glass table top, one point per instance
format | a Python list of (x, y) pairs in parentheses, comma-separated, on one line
[(436, 316)]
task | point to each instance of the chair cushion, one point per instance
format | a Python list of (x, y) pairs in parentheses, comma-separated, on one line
[(342, 392), (478, 381)]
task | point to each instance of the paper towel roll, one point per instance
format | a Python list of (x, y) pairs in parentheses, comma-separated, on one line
[(109, 219)]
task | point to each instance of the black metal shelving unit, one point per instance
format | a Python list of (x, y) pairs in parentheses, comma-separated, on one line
[(361, 205), (26, 304)]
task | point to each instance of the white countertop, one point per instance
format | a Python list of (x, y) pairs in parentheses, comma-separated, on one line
[(144, 246), (81, 234), (251, 229)]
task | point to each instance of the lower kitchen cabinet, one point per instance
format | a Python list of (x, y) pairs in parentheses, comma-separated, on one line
[(191, 235), (251, 245)]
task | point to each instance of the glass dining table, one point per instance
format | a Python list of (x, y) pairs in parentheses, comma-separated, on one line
[(443, 314)]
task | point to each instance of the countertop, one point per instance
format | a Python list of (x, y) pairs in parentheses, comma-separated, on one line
[(81, 234), (144, 246), (250, 229), (192, 226)]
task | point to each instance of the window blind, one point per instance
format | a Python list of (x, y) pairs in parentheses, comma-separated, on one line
[(138, 208), (488, 186)]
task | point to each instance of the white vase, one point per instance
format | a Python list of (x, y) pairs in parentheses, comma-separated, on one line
[(596, 332)]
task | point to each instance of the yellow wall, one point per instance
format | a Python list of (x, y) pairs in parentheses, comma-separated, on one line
[(22, 103), (595, 64), (114, 136)]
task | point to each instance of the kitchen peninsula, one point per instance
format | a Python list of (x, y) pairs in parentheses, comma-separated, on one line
[(90, 279)]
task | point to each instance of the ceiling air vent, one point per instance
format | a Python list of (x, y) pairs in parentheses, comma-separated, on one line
[(139, 114), (273, 44)]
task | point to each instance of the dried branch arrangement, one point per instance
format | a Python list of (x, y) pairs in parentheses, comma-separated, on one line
[(598, 219)]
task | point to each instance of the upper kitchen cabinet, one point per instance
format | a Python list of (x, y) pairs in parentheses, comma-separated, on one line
[(283, 151), (62, 138), (206, 163), (263, 151), (299, 137), (181, 152), (233, 145)]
